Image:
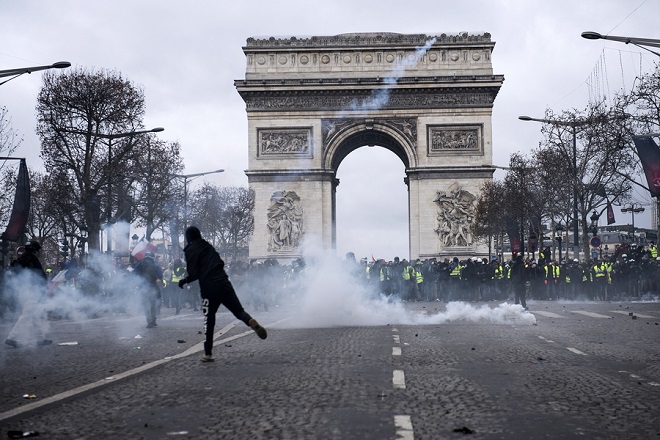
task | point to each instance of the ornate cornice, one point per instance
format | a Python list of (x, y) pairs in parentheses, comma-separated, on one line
[(358, 100), (367, 39)]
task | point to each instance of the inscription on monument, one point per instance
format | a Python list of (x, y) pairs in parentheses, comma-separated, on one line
[(285, 142), (455, 139)]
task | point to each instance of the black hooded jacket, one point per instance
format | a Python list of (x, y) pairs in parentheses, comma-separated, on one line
[(204, 264)]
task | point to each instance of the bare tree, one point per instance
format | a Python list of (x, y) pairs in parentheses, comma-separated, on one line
[(78, 114), (226, 215), (9, 142), (602, 159), (155, 187)]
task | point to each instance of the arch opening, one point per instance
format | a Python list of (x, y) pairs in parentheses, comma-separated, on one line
[(371, 203)]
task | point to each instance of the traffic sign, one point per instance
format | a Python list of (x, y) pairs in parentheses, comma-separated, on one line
[(595, 241)]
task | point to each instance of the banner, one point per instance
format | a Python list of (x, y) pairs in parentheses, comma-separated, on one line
[(141, 248), (514, 235), (649, 155), (610, 214), (21, 208)]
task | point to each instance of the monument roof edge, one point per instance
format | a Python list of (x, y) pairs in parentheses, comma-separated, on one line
[(368, 39)]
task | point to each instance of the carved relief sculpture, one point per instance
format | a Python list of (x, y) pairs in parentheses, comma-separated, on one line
[(285, 142), (455, 216), (455, 139), (285, 221)]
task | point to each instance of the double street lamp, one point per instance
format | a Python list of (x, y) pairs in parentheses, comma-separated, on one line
[(186, 178), (632, 209), (111, 137)]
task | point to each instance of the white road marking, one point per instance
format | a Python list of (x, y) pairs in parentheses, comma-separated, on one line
[(636, 314), (84, 388), (545, 339), (547, 314), (398, 379), (592, 314), (396, 351), (404, 428), (576, 351), (397, 340), (394, 329)]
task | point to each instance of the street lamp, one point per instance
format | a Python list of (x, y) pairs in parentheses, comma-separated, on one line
[(560, 230), (20, 71), (639, 42), (110, 138), (573, 125), (632, 209), (185, 178)]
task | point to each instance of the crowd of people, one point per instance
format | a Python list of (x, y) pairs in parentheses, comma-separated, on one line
[(631, 273)]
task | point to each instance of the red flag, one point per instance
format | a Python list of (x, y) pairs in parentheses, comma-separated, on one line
[(141, 248), (649, 155), (610, 214), (21, 208)]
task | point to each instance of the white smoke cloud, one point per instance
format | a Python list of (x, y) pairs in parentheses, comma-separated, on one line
[(380, 97), (331, 297)]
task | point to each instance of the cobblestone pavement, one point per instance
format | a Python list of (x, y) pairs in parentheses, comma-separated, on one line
[(583, 370)]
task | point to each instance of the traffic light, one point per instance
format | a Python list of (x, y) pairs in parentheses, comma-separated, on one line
[(64, 248)]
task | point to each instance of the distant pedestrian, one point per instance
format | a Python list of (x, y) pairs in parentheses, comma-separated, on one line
[(520, 281), (150, 293), (204, 264), (29, 280)]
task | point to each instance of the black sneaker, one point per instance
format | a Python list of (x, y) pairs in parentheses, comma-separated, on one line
[(151, 325), (259, 330)]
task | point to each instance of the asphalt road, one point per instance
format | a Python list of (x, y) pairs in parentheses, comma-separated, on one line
[(582, 370)]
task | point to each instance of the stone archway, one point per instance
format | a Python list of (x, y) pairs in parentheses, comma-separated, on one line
[(310, 102)]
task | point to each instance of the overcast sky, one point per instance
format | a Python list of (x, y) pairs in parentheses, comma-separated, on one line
[(186, 56)]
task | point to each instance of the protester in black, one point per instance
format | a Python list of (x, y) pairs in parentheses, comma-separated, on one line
[(520, 281), (152, 273), (31, 321), (204, 264)]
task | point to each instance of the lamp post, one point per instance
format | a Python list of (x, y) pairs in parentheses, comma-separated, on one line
[(632, 209), (186, 178), (14, 73), (573, 125), (110, 137), (560, 230), (639, 42)]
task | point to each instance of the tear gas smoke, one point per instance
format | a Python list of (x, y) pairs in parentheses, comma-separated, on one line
[(80, 292), (330, 296), (380, 97)]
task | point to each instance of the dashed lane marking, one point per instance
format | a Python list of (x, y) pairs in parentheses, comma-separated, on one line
[(545, 339), (404, 428), (576, 351), (397, 339), (84, 388), (396, 351), (547, 314), (398, 379), (592, 314), (639, 315)]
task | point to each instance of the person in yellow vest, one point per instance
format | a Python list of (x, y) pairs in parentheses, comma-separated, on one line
[(599, 278), (455, 272), (653, 250)]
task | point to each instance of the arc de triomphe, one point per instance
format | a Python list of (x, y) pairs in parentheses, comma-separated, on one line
[(311, 101)]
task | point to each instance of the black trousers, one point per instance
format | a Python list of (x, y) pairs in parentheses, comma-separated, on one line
[(222, 294)]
